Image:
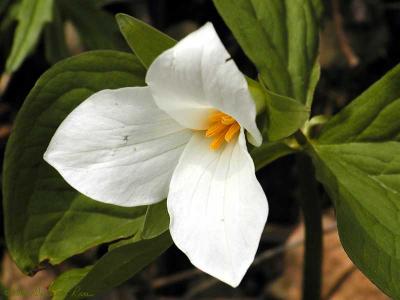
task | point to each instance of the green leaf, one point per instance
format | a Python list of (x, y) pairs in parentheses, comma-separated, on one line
[(268, 152), (111, 270), (46, 219), (66, 282), (54, 36), (357, 159), (32, 16), (96, 27), (284, 116), (154, 223), (157, 220), (146, 41), (372, 117), (281, 38)]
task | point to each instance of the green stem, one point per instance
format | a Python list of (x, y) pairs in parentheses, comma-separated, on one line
[(311, 206), (314, 121)]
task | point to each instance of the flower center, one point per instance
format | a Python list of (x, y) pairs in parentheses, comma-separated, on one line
[(223, 128)]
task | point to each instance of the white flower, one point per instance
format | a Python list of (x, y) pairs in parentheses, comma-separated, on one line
[(181, 137)]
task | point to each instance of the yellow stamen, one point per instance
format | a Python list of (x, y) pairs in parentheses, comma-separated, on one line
[(216, 117), (215, 129), (227, 120), (218, 141), (223, 128), (232, 131)]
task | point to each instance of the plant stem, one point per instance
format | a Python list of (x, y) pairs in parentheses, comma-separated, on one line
[(311, 206)]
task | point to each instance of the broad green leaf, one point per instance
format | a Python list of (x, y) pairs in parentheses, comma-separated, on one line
[(96, 27), (54, 37), (357, 157), (284, 116), (281, 38), (154, 223), (157, 220), (66, 282), (32, 16), (268, 152), (46, 219), (146, 41), (111, 270), (373, 117)]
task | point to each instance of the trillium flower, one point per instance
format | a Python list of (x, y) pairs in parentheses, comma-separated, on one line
[(182, 138)]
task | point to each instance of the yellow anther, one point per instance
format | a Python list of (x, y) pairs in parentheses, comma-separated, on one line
[(215, 129), (216, 117), (218, 141), (223, 128), (227, 120), (232, 131)]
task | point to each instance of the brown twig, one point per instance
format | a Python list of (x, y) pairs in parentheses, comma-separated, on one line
[(4, 81), (199, 288), (339, 283), (5, 131), (351, 58), (175, 278)]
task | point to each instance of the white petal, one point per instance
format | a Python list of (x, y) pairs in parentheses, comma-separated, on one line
[(118, 147), (197, 77), (217, 207)]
